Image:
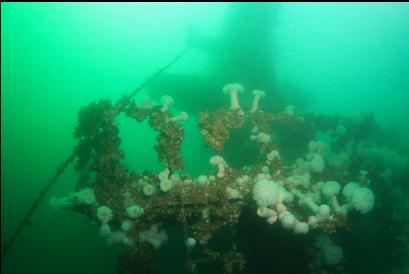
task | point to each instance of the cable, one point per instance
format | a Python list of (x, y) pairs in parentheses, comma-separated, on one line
[(60, 170)]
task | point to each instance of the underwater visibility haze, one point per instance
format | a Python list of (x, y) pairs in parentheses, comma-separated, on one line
[(205, 138)]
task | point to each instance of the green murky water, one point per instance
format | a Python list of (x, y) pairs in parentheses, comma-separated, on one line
[(341, 59)]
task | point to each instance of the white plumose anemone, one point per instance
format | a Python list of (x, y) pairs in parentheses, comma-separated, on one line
[(202, 181), (134, 211), (104, 214), (324, 211), (166, 185), (257, 95), (363, 200), (331, 188), (233, 90), (105, 230), (265, 193), (148, 189), (190, 242), (127, 225), (288, 220), (349, 189), (183, 116), (166, 102), (301, 228), (317, 163)]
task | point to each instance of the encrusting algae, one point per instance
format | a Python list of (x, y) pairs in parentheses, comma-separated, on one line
[(133, 208)]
